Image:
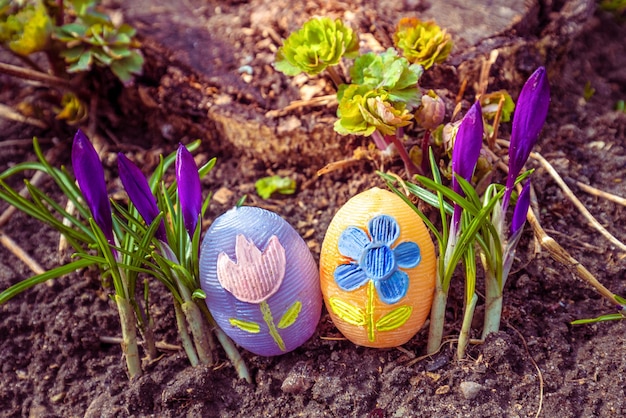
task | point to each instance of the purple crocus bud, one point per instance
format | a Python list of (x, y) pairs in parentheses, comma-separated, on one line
[(139, 193), (521, 209), (467, 145), (528, 119), (90, 177), (189, 189)]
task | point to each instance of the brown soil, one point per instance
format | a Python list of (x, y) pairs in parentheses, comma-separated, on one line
[(55, 362)]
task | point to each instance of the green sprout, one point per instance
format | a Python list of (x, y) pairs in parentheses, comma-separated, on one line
[(422, 43), (267, 186), (318, 45), (588, 91)]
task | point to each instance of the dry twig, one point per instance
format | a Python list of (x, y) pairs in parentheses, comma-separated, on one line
[(21, 254), (600, 193), (570, 195), (562, 256), (297, 104), (7, 112)]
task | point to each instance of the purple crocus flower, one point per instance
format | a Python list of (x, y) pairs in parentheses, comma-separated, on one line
[(189, 189), (528, 119), (521, 209), (467, 145), (139, 193), (90, 177)]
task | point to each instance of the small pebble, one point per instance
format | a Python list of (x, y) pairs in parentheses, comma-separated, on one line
[(470, 389), (298, 380)]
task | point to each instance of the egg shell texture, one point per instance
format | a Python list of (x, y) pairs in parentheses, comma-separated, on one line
[(373, 237), (286, 273)]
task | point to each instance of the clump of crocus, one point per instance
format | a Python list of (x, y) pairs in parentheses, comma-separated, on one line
[(318, 45), (177, 248), (477, 224), (173, 257), (528, 120), (157, 236), (90, 178), (423, 43)]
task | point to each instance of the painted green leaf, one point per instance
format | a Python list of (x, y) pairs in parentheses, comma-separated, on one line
[(290, 316), (349, 313), (394, 319), (248, 326)]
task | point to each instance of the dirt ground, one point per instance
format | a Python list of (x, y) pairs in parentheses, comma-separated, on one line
[(55, 355)]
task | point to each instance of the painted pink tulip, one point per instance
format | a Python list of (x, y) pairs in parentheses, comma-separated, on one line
[(256, 275)]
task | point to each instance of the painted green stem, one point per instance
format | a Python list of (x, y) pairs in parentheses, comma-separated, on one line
[(267, 317), (369, 311), (465, 328), (129, 336)]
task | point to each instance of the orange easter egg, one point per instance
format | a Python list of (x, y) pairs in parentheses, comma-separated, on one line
[(377, 270)]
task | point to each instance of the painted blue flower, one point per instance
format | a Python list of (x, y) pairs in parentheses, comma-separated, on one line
[(374, 259)]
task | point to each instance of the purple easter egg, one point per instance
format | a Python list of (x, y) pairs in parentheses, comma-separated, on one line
[(261, 281)]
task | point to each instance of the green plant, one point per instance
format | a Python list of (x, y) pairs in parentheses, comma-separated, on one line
[(25, 28), (422, 43), (73, 34), (383, 92), (93, 39), (318, 45)]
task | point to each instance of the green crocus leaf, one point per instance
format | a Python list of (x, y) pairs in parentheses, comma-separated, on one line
[(321, 42), (422, 43)]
